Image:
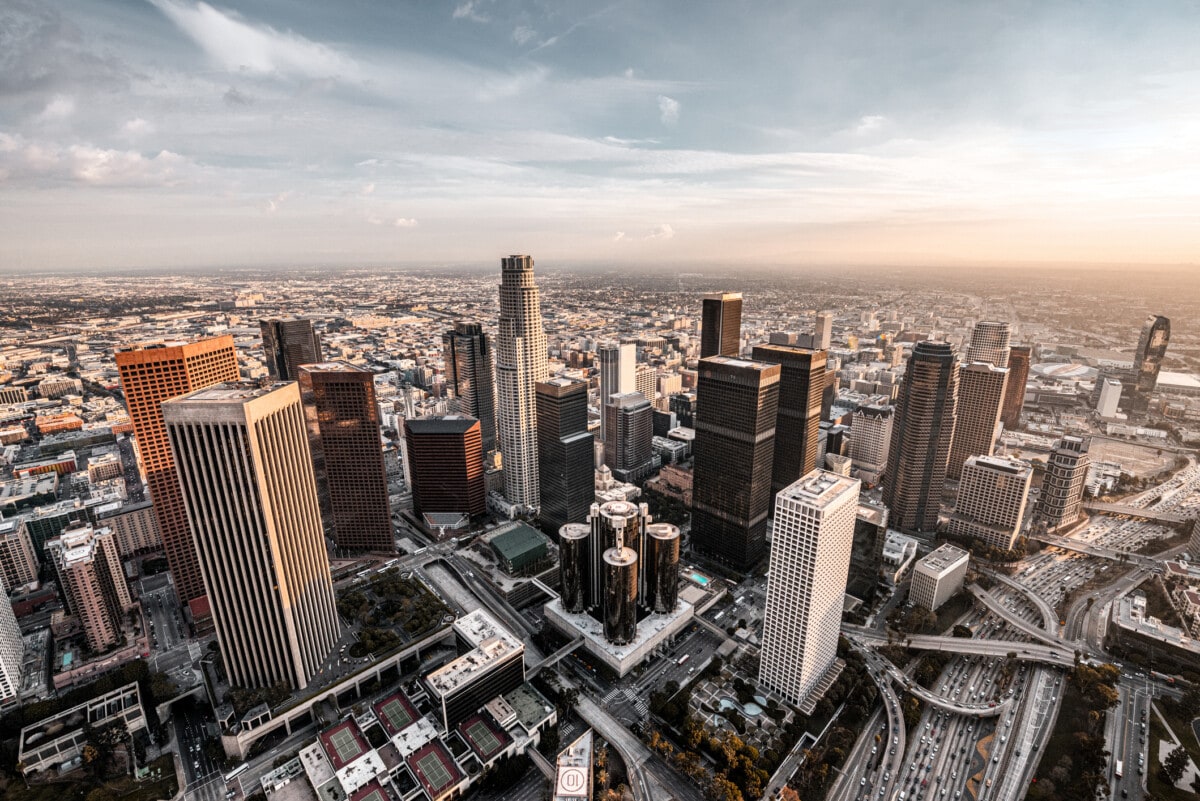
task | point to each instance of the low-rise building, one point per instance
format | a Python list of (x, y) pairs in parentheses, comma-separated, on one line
[(938, 577)]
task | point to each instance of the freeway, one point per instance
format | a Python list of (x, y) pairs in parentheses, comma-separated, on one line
[(1048, 617), (1134, 511), (1016, 621), (986, 710), (1025, 651)]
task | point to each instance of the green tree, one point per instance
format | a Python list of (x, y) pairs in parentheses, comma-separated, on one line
[(1174, 765)]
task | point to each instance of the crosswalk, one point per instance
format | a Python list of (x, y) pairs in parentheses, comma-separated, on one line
[(639, 703)]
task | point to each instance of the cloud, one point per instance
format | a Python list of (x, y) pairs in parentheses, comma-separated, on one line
[(234, 97), (661, 233), (274, 204), (869, 124), (523, 33), (237, 45), (469, 10), (398, 222), (369, 189), (668, 110), (59, 108), (137, 127), (39, 163), (619, 236)]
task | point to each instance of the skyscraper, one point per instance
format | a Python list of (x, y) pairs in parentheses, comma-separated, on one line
[(990, 505), (645, 381), (247, 478), (12, 655), (980, 397), (445, 459), (471, 375), (1061, 501), (721, 325), (1147, 361), (823, 331), (989, 343), (737, 406), (18, 565), (150, 375), (92, 581), (628, 450), (801, 383), (565, 449), (1014, 392), (811, 540), (922, 429), (1110, 397), (870, 439), (289, 342), (343, 434), (520, 364), (617, 376)]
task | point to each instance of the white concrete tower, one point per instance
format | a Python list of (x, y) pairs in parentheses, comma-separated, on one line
[(989, 343), (617, 375), (520, 364), (810, 556), (12, 653)]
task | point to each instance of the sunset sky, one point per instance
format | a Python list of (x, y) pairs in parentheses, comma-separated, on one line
[(174, 133)]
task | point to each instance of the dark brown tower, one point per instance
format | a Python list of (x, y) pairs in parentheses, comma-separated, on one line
[(721, 325), (801, 385), (445, 461), (289, 342), (1014, 393), (565, 453)]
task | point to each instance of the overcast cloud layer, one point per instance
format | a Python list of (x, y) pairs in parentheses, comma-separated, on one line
[(176, 132)]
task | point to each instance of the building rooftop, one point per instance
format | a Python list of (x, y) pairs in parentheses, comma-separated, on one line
[(518, 541), (723, 296), (820, 488), (483, 735), (441, 424), (343, 744), (414, 737), (944, 558), (573, 781), (435, 769), (1003, 464), (231, 392), (396, 713), (492, 643)]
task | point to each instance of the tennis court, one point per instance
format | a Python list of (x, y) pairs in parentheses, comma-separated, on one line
[(435, 773), (482, 736), (397, 714), (345, 744)]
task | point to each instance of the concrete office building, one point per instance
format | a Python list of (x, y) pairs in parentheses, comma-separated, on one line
[(938, 577), (1014, 391), (797, 423), (12, 655), (493, 664), (870, 439), (989, 344), (150, 375), (721, 325), (342, 418), (133, 524), (618, 376), (445, 464), (289, 342), (565, 453), (823, 331), (470, 374), (18, 565), (922, 429), (92, 581), (520, 363), (645, 381), (981, 388), (812, 537), (1061, 501), (628, 450), (738, 403), (1110, 397), (991, 500), (247, 476)]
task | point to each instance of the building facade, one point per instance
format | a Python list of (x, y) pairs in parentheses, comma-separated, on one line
[(151, 375), (981, 388), (1019, 358), (92, 582), (289, 342), (812, 538), (445, 464), (870, 439), (989, 343), (12, 655), (721, 325), (18, 565), (471, 374), (565, 453), (1109, 403), (342, 418), (922, 430), (991, 500), (251, 496), (801, 383), (738, 404), (938, 577), (520, 363), (618, 375), (1148, 359), (1061, 501), (628, 451)]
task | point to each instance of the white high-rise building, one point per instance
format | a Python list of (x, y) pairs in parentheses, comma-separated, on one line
[(1110, 398), (618, 365), (644, 382), (989, 343), (991, 500), (823, 333), (870, 438), (520, 364), (251, 496), (12, 653), (938, 577), (812, 538)]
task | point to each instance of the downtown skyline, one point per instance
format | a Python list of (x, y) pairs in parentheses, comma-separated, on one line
[(173, 133)]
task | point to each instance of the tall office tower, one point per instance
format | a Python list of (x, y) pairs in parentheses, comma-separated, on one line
[(610, 523), (683, 405), (520, 364), (734, 448), (12, 655), (721, 325), (628, 450), (645, 381), (565, 453), (1110, 397), (247, 479), (150, 375), (620, 593), (782, 338), (1061, 501), (823, 331), (870, 439), (618, 375), (980, 397), (801, 382), (289, 342), (92, 581), (343, 434), (990, 504), (922, 429), (1147, 361), (471, 375), (1014, 393), (989, 343), (575, 566), (18, 565), (811, 541), (659, 589), (445, 463)]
